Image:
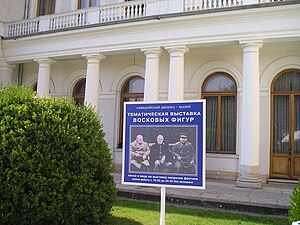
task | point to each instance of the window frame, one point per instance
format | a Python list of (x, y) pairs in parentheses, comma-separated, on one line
[(80, 2), (78, 97), (49, 10), (292, 156), (126, 95), (219, 95)]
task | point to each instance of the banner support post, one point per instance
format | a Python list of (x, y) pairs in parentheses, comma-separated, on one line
[(163, 206)]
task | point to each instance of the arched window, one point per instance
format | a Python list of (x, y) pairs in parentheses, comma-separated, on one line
[(79, 91), (219, 90), (132, 91), (285, 125)]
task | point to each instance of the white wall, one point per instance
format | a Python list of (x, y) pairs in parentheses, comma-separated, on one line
[(11, 10), (199, 63)]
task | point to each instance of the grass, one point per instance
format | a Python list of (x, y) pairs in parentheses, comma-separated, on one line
[(128, 212)]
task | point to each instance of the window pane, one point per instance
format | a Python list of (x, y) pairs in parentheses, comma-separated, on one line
[(85, 4), (52, 7), (289, 81), (79, 92), (46, 7), (135, 85), (42, 8), (297, 124), (281, 138), (211, 123), (228, 124), (220, 83), (95, 2), (132, 91), (80, 87), (34, 86)]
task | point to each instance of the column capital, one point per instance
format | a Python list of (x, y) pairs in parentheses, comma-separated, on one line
[(248, 45), (177, 49), (153, 50), (45, 60), (94, 56)]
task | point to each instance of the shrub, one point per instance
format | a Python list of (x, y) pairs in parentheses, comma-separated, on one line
[(54, 163), (294, 212)]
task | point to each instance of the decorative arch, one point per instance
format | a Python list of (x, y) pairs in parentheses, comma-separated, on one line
[(73, 78), (125, 74), (213, 67), (32, 79), (276, 67)]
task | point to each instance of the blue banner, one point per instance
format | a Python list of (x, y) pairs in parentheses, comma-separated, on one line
[(164, 144)]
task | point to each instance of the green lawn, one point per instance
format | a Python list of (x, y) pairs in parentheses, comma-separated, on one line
[(127, 212)]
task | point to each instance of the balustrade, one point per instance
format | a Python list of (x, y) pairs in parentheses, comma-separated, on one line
[(68, 20), (122, 11), (23, 28), (192, 5), (115, 12)]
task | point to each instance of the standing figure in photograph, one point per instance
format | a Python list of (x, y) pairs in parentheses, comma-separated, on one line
[(184, 154), (160, 157), (139, 155)]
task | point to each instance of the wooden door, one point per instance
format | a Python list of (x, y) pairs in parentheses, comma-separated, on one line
[(285, 127)]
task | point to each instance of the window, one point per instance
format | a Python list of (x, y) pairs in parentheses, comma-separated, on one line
[(79, 92), (285, 125), (46, 7), (219, 90), (82, 4), (132, 91), (34, 86)]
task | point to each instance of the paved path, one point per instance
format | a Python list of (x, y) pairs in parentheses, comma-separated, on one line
[(272, 198)]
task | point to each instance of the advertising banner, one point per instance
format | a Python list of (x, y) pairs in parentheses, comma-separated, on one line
[(164, 144)]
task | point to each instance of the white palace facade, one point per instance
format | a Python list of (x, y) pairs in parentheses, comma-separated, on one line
[(242, 56)]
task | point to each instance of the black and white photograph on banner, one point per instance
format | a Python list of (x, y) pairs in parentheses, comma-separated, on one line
[(168, 149)]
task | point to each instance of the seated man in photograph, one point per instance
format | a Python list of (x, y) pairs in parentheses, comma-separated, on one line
[(139, 154), (160, 157), (184, 155)]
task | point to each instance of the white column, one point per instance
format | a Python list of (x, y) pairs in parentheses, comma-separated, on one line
[(249, 157), (43, 84), (151, 74), (92, 80), (6, 73), (176, 72)]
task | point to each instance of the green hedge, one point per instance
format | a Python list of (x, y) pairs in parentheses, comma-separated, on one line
[(54, 163), (294, 212)]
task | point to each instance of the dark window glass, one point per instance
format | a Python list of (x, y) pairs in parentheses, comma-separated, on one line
[(288, 81), (132, 91), (79, 92), (46, 7), (219, 90)]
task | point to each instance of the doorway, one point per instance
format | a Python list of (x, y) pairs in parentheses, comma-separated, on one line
[(285, 125)]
